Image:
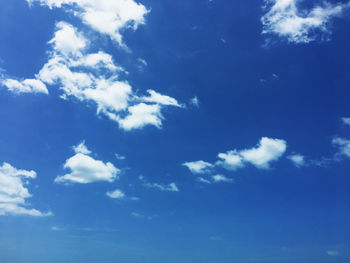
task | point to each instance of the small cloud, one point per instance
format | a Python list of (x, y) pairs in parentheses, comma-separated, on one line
[(194, 101), (219, 178), (343, 146), (199, 167), (171, 187), (216, 238), (297, 159), (346, 121), (203, 180), (134, 198), (119, 157), (333, 253), (116, 194), (85, 169), (56, 228), (81, 148)]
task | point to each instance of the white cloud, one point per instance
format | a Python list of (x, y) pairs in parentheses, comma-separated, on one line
[(67, 40), (160, 99), (195, 101), (199, 167), (56, 228), (84, 169), (268, 150), (24, 86), (105, 16), (119, 157), (333, 253), (346, 121), (13, 193), (230, 160), (95, 78), (141, 115), (343, 146), (219, 178), (297, 159), (285, 19), (116, 194), (81, 148), (203, 180), (172, 187)]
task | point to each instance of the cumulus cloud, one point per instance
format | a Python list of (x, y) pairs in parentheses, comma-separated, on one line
[(13, 192), (24, 86), (194, 101), (199, 167), (297, 159), (81, 148), (219, 178), (85, 169), (286, 19), (267, 151), (116, 194), (343, 146), (94, 78), (108, 17)]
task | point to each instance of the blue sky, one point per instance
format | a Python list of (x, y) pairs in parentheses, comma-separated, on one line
[(174, 131)]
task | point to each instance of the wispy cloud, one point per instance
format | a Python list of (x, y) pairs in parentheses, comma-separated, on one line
[(285, 19), (297, 159), (116, 194), (199, 167), (171, 187)]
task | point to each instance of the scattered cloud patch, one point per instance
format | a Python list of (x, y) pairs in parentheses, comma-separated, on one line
[(203, 180), (24, 86), (13, 192), (346, 121), (171, 187), (104, 16), (285, 19), (297, 159), (199, 167), (93, 78), (56, 228), (116, 194), (81, 148), (343, 146), (194, 101), (119, 157), (219, 178), (268, 150), (333, 253), (85, 169)]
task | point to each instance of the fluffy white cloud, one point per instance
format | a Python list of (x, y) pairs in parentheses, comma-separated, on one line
[(230, 160), (105, 16), (94, 77), (346, 121), (297, 159), (24, 86), (13, 193), (67, 40), (343, 146), (285, 19), (203, 180), (141, 115), (84, 169), (219, 178), (199, 167), (267, 151), (116, 194)]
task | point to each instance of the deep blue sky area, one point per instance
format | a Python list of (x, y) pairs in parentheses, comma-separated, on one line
[(233, 86)]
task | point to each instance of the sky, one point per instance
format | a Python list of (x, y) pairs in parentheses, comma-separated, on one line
[(203, 131)]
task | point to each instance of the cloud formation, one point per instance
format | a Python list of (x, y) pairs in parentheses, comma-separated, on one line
[(285, 19), (199, 167), (108, 17), (116, 194), (343, 146), (171, 187), (85, 169), (297, 159), (13, 192), (93, 78)]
